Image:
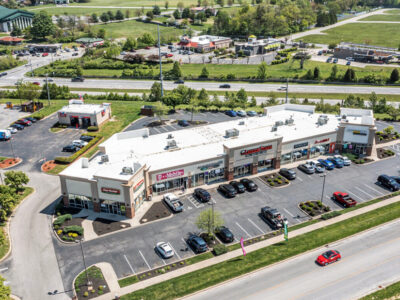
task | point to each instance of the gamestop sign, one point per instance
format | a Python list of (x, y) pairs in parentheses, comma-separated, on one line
[(171, 174), (255, 151)]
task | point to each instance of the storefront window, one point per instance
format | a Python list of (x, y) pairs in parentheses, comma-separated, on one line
[(242, 170), (79, 201), (139, 200), (112, 207), (169, 186), (207, 177), (264, 165)]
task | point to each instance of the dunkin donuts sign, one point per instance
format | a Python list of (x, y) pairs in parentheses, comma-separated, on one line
[(171, 174)]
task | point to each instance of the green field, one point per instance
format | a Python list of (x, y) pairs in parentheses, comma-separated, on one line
[(393, 12), (386, 35), (136, 29), (390, 292), (386, 17), (82, 11)]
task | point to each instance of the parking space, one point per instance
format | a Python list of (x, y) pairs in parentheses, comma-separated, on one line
[(8, 116), (380, 125), (38, 137)]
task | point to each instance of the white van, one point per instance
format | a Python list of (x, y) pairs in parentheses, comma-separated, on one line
[(5, 134)]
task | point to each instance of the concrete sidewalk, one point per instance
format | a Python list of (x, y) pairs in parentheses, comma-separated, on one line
[(234, 254)]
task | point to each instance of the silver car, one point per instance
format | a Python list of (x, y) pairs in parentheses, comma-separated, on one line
[(164, 250), (318, 167), (345, 159)]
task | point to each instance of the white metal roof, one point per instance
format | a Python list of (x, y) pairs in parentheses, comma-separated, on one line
[(83, 108)]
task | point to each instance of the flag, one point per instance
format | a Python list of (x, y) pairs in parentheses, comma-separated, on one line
[(241, 244), (285, 231), (80, 97)]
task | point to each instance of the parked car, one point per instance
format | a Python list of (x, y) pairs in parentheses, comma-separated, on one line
[(3, 74), (388, 182), (273, 217), (179, 81), (173, 202), (33, 120), (147, 48), (78, 79), (36, 83), (183, 123), (224, 234), (327, 164), (197, 243), (227, 190), (225, 86), (79, 143), (48, 80), (239, 187), (288, 173), (345, 159), (306, 168), (17, 126), (320, 52), (344, 199), (396, 178), (241, 113), (24, 122), (329, 59), (328, 257), (45, 54), (12, 130), (202, 195), (123, 53), (169, 55), (251, 113), (70, 148), (249, 184), (165, 250), (348, 63), (75, 54), (86, 138), (336, 161), (231, 113), (317, 166), (335, 60)]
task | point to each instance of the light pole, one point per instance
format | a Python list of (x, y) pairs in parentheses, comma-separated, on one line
[(12, 148), (287, 89), (47, 86), (88, 283), (159, 57), (30, 62), (323, 186)]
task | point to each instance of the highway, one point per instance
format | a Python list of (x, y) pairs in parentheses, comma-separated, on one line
[(368, 260)]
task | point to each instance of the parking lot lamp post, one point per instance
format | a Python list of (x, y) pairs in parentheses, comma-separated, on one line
[(323, 186), (12, 147), (159, 58), (47, 86), (287, 89), (88, 283)]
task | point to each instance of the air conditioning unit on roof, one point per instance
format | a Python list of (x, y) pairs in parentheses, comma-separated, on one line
[(127, 170), (231, 132)]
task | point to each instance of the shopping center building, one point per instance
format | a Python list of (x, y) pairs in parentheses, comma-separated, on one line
[(136, 166)]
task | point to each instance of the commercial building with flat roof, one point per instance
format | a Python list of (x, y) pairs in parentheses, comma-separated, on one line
[(136, 165), (204, 43), (254, 46), (10, 18)]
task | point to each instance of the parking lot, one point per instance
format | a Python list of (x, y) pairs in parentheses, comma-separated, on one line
[(132, 251), (36, 142), (380, 125)]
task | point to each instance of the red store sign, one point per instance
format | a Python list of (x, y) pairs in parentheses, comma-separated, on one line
[(171, 174), (321, 141), (255, 150), (138, 185), (110, 191)]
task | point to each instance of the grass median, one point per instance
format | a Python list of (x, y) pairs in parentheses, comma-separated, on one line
[(390, 292), (209, 276)]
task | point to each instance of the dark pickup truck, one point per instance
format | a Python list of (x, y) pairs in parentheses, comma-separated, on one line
[(344, 199), (273, 217)]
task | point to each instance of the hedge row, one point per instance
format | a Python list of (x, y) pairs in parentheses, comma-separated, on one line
[(69, 159), (73, 228), (61, 219), (281, 61)]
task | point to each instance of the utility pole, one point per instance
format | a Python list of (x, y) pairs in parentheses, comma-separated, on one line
[(12, 147), (88, 283), (323, 186), (47, 86), (212, 216), (287, 89), (159, 57)]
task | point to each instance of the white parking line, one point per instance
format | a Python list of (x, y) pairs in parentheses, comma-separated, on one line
[(309, 176), (4, 269), (187, 245), (369, 195), (169, 126), (328, 197), (129, 264), (174, 250), (244, 230), (144, 259), (255, 225), (288, 212), (158, 131), (195, 202), (357, 196), (299, 178), (382, 194)]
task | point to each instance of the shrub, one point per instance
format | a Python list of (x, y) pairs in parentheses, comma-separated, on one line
[(56, 227), (269, 180), (330, 215), (85, 294), (272, 184), (319, 203), (174, 265), (308, 209), (59, 231), (279, 181), (93, 128), (73, 228), (68, 238), (327, 208), (181, 262), (61, 219), (279, 177), (286, 181), (100, 288), (312, 213), (162, 271), (93, 291), (168, 268), (312, 205), (220, 249)]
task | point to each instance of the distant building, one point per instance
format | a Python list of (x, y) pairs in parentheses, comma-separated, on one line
[(61, 1), (9, 18), (365, 53), (43, 48), (254, 46), (90, 42), (197, 10), (204, 43), (10, 40)]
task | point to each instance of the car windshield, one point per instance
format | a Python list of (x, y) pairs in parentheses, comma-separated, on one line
[(327, 254)]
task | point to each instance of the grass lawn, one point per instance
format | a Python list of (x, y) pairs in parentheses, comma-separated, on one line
[(393, 12), (383, 17), (82, 11), (93, 272), (385, 35), (136, 29), (389, 292), (206, 277)]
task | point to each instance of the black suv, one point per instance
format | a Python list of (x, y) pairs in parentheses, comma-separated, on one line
[(70, 148), (86, 138), (388, 182), (224, 234), (227, 190), (249, 184), (239, 187), (78, 79), (202, 195), (197, 243), (288, 173), (273, 217)]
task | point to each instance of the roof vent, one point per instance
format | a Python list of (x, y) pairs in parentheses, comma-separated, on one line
[(241, 122), (274, 128), (322, 119), (289, 121), (170, 136), (145, 135), (171, 144), (85, 162), (127, 170), (104, 158), (231, 132), (278, 123)]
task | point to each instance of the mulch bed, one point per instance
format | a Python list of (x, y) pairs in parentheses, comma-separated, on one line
[(156, 212), (275, 180), (48, 166), (73, 221), (99, 285), (314, 208), (9, 162), (384, 138), (210, 242), (384, 153), (102, 226), (360, 161)]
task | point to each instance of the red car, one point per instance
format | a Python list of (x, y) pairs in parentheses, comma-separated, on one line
[(344, 199), (24, 122), (36, 83), (147, 48), (45, 54), (328, 257), (169, 55)]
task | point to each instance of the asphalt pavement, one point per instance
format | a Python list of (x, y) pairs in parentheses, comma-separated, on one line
[(368, 260)]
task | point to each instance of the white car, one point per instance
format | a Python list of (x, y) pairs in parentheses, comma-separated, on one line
[(79, 143), (345, 159), (241, 113), (164, 249), (12, 130)]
